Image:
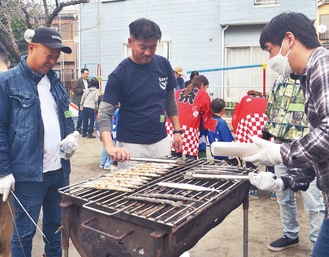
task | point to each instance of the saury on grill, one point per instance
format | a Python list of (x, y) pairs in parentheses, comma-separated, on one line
[(113, 223)]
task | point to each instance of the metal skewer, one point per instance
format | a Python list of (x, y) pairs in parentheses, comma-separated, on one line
[(28, 215), (191, 175), (178, 161), (16, 229)]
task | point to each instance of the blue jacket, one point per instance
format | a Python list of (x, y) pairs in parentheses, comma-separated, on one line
[(21, 125), (222, 134)]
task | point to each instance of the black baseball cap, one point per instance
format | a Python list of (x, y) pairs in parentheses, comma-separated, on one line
[(50, 38)]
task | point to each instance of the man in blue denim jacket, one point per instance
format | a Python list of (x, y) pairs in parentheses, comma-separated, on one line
[(34, 119)]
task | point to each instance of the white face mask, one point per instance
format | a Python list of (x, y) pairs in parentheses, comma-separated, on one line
[(280, 63)]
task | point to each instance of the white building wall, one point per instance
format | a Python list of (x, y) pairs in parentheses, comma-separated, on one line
[(193, 28), (188, 25), (247, 13)]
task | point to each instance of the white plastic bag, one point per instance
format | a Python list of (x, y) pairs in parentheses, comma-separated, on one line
[(68, 145)]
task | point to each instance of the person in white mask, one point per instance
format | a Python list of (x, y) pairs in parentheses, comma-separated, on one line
[(280, 64), (292, 43)]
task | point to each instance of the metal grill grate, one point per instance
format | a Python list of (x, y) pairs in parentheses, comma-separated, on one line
[(169, 212)]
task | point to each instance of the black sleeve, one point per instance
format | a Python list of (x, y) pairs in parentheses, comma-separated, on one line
[(299, 179)]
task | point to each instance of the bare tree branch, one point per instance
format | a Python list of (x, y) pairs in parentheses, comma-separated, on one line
[(11, 34), (45, 5), (55, 12), (27, 17), (15, 54), (16, 16)]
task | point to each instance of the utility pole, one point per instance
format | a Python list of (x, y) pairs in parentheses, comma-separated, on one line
[(97, 34)]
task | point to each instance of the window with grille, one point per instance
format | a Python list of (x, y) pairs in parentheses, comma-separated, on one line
[(266, 2), (67, 30), (238, 81), (324, 20)]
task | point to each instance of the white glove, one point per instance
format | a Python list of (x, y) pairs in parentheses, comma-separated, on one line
[(266, 181), (68, 145), (6, 183), (268, 155)]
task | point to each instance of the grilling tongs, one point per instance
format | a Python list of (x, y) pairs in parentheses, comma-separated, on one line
[(177, 161)]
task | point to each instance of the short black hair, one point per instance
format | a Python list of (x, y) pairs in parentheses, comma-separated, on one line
[(193, 74), (94, 83), (296, 23), (217, 105), (144, 29), (83, 70)]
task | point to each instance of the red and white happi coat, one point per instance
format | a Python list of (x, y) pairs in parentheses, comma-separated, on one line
[(191, 109), (249, 118), (250, 126)]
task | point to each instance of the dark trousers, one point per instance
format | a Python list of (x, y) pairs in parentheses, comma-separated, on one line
[(80, 118), (34, 196), (88, 120)]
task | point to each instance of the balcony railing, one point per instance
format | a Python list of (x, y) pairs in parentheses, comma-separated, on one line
[(324, 36)]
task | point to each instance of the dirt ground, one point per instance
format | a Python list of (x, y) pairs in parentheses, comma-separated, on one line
[(225, 240)]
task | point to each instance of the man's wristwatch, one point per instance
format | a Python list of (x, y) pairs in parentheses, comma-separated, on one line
[(179, 131)]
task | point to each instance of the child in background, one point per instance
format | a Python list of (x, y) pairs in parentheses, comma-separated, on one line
[(193, 105), (106, 162), (222, 133)]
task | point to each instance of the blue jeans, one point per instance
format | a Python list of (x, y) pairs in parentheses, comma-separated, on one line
[(313, 204), (33, 195), (321, 247), (106, 161), (80, 118)]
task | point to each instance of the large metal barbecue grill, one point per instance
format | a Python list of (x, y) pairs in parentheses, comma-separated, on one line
[(110, 223)]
